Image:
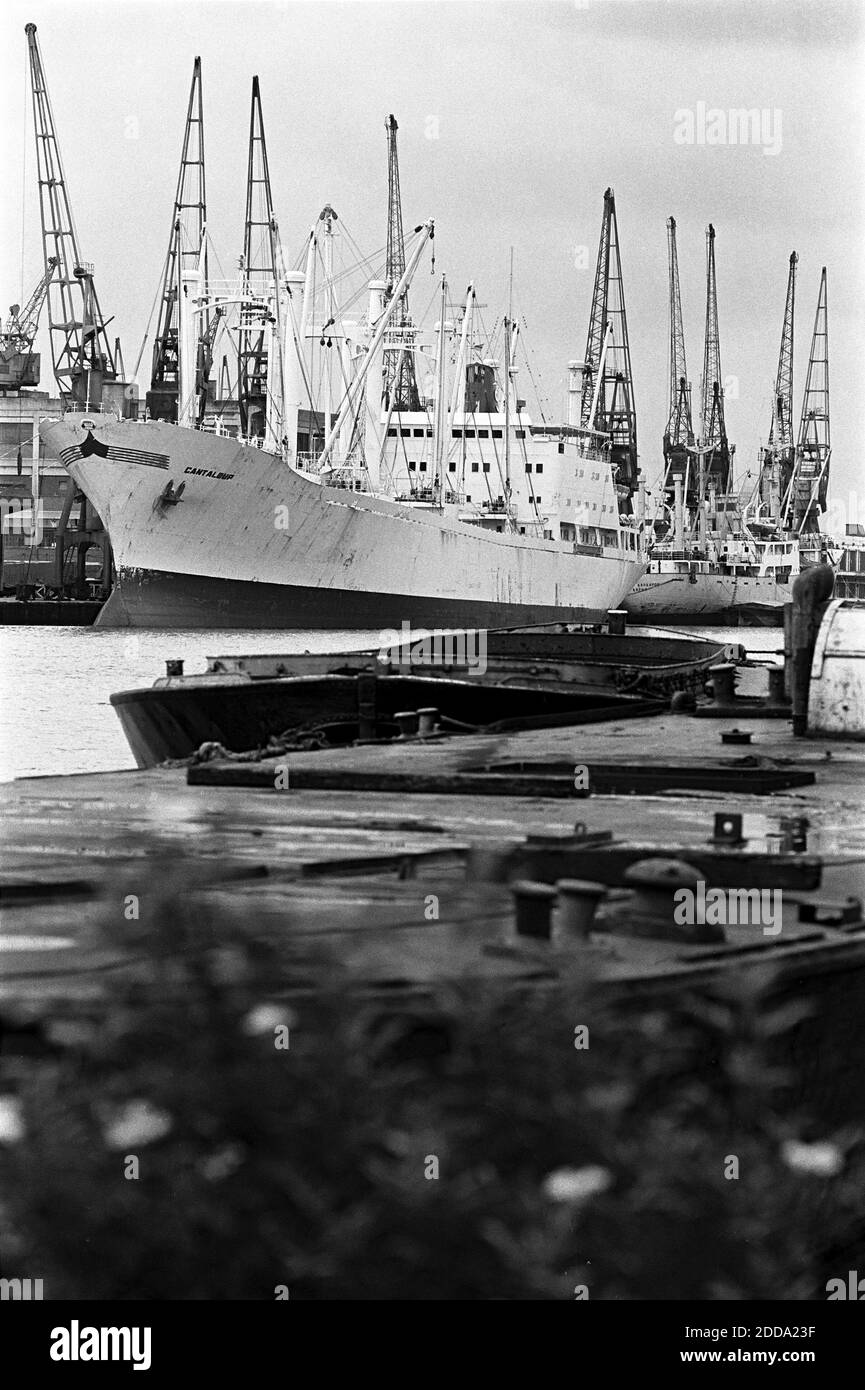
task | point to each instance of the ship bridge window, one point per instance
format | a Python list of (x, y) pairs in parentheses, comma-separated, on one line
[(561, 446), (486, 467), (412, 466), (539, 468), (497, 434), (528, 468), (470, 434), (419, 434), (521, 434), (391, 434), (474, 465), (483, 434), (405, 434), (452, 468), (423, 465)]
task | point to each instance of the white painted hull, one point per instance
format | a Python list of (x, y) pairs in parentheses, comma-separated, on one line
[(255, 543)]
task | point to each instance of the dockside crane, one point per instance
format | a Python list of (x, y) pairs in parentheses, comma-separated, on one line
[(188, 223), (777, 459), (806, 493), (401, 392), (259, 280), (714, 447), (19, 364), (84, 363), (679, 434), (607, 400)]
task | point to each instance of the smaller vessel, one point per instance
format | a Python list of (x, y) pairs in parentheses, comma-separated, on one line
[(464, 681), (722, 556)]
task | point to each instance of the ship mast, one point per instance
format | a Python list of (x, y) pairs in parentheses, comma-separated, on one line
[(679, 434), (82, 356), (184, 249), (259, 281), (810, 480), (779, 455), (715, 450), (400, 383), (610, 370)]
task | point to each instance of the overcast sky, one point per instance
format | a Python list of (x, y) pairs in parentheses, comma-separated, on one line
[(513, 120)]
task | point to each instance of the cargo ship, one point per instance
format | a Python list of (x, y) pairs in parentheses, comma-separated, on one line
[(369, 476), (724, 555), (209, 531)]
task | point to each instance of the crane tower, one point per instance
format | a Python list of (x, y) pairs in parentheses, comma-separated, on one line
[(187, 231), (400, 381), (84, 362), (614, 414), (679, 434)]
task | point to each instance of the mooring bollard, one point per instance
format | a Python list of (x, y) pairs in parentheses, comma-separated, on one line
[(617, 619), (652, 912), (428, 719), (723, 683), (811, 593), (578, 901), (533, 903), (407, 722)]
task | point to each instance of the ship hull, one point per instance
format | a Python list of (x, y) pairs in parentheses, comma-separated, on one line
[(249, 542), (720, 600), (154, 599)]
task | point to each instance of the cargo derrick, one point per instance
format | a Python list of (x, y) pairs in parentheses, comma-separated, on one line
[(610, 409), (679, 434), (714, 448), (401, 392), (187, 232), (806, 493), (83, 360)]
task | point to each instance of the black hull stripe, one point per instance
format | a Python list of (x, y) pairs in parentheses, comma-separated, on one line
[(120, 455)]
